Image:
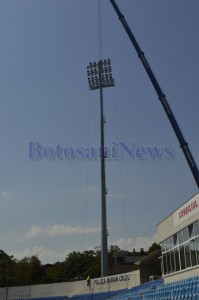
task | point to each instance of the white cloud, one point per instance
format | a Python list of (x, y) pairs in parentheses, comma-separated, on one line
[(33, 232), (67, 229), (137, 243), (89, 189), (5, 195), (59, 229), (44, 255), (51, 256)]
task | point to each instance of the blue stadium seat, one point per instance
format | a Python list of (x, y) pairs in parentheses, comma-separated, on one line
[(187, 289)]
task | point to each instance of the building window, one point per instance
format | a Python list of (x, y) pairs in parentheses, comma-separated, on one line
[(175, 239), (121, 259), (172, 261), (168, 255), (181, 250), (191, 231), (164, 246), (187, 255), (185, 234), (182, 257), (171, 242), (193, 252), (197, 249), (177, 259), (167, 245), (165, 270), (180, 237), (196, 227)]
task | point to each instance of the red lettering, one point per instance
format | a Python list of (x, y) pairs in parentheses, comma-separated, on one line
[(188, 209)]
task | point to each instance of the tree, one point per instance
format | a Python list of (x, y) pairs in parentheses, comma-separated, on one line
[(27, 271), (154, 247), (79, 265), (113, 249), (6, 268), (34, 270), (53, 273)]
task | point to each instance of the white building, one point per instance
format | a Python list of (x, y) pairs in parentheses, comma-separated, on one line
[(178, 234)]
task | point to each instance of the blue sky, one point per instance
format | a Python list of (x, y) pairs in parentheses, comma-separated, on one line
[(52, 207)]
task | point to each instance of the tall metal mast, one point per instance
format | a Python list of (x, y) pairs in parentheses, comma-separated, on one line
[(161, 96), (99, 77)]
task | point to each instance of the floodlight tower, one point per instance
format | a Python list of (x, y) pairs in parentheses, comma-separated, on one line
[(99, 77)]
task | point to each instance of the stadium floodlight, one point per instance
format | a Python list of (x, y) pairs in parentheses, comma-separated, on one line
[(100, 76)]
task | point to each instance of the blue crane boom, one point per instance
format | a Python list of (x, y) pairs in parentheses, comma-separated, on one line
[(161, 96)]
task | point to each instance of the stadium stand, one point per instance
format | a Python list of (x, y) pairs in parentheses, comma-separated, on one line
[(187, 289)]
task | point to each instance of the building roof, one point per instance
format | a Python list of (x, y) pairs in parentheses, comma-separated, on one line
[(150, 259)]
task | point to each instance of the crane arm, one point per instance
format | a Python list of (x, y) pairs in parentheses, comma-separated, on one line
[(161, 96)]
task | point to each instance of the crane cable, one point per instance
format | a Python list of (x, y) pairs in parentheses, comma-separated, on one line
[(87, 175), (100, 29), (115, 111), (120, 169), (88, 140), (88, 126)]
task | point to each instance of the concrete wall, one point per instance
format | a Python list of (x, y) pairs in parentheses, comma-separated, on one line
[(110, 283), (182, 275)]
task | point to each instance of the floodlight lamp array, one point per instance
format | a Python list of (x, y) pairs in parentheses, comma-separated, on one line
[(100, 74)]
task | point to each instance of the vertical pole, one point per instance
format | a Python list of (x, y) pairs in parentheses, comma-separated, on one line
[(7, 281), (100, 76), (104, 252)]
